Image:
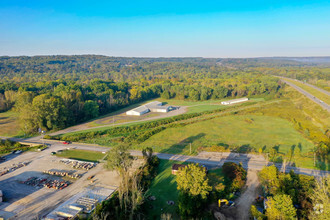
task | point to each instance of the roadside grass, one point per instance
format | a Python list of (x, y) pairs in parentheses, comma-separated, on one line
[(9, 124), (164, 188), (84, 155), (324, 97), (250, 131)]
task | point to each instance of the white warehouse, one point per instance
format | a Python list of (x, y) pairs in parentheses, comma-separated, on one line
[(233, 101), (138, 111), (155, 106)]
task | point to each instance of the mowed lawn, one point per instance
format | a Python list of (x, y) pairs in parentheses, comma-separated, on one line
[(9, 124), (164, 188), (84, 155), (235, 130)]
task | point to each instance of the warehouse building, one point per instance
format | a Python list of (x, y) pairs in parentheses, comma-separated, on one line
[(233, 101), (138, 111), (155, 106)]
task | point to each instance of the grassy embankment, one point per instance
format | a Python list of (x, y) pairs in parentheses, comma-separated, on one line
[(9, 126), (84, 155), (248, 131), (320, 95), (164, 188)]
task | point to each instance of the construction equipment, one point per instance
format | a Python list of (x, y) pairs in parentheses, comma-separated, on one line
[(225, 203)]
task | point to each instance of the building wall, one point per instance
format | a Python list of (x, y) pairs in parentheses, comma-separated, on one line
[(234, 101), (137, 113)]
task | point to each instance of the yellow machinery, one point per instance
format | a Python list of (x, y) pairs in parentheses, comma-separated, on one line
[(223, 202)]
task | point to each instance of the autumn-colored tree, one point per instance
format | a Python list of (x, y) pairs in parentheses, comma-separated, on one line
[(280, 207), (194, 188), (269, 177)]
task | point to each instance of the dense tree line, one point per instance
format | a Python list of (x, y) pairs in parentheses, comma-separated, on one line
[(53, 92)]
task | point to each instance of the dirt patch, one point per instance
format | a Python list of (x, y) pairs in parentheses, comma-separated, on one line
[(244, 202), (241, 211)]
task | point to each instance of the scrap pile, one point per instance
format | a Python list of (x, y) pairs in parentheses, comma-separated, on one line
[(42, 182), (63, 173), (13, 168), (78, 164)]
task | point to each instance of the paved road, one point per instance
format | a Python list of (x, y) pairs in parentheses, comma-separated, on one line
[(249, 161), (308, 95)]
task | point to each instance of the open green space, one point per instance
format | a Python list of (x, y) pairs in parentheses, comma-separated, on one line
[(9, 126), (243, 130), (320, 95), (164, 188), (85, 155)]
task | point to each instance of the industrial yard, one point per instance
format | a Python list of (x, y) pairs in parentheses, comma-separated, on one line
[(34, 184)]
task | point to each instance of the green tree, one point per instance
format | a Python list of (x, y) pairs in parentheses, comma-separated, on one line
[(269, 177), (91, 109), (119, 159), (194, 188), (280, 207), (192, 180)]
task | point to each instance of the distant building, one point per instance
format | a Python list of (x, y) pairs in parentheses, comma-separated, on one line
[(233, 101), (155, 106), (138, 111), (176, 167)]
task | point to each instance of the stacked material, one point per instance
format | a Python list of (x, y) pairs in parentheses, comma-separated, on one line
[(13, 168), (63, 173), (78, 164), (41, 182)]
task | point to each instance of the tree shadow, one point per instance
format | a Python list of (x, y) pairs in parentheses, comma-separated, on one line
[(180, 147)]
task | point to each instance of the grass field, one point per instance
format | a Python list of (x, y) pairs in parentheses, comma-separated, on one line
[(248, 130), (84, 155), (164, 188), (201, 106), (8, 124), (324, 97)]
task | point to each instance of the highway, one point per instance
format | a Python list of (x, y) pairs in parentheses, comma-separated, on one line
[(307, 94)]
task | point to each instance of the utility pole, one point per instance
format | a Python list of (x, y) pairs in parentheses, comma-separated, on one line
[(190, 148)]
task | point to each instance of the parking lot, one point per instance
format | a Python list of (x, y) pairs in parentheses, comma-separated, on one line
[(44, 181)]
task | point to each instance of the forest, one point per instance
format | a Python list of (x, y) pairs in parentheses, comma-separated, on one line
[(53, 92)]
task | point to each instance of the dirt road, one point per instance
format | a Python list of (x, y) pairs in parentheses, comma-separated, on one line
[(245, 201)]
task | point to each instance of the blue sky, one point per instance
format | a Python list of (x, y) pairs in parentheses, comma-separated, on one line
[(165, 28)]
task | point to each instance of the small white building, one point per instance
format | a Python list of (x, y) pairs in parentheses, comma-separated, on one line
[(138, 111), (233, 101), (162, 109), (155, 106)]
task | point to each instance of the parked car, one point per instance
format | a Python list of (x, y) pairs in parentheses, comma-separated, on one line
[(65, 142), (52, 153)]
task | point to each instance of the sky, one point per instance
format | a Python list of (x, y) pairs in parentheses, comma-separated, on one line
[(165, 28)]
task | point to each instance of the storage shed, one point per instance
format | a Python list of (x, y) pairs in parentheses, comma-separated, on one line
[(233, 101), (177, 167)]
